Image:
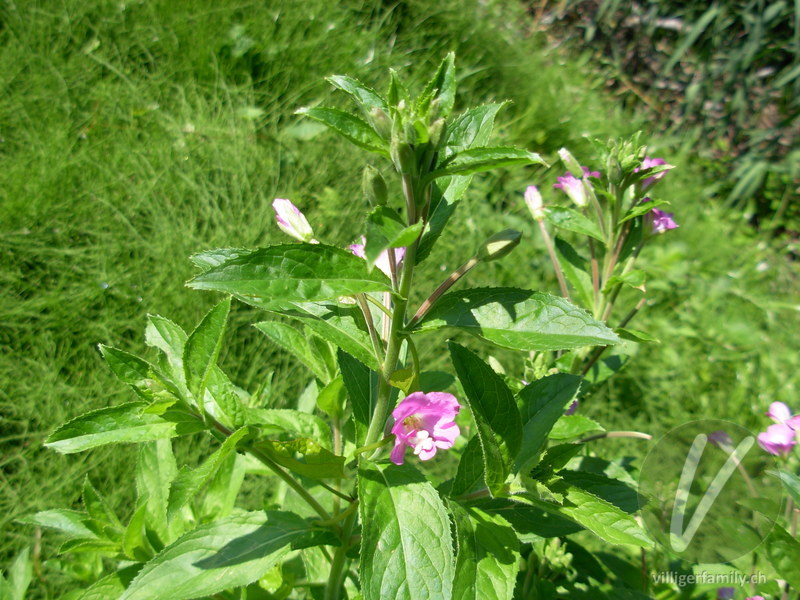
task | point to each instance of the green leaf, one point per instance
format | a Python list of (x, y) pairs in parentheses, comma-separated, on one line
[(406, 549), (316, 462), (488, 556), (573, 426), (470, 468), (571, 220), (472, 128), (213, 258), (168, 337), (357, 380), (445, 82), (222, 400), (332, 398), (385, 229), (155, 471), (110, 586), (349, 126), (542, 403), (366, 97), (135, 542), (69, 522), (553, 459), (189, 481), (783, 552), (202, 348), (217, 556), (635, 335), (476, 160), (791, 482), (220, 496), (97, 507), (641, 209), (20, 574), (635, 279), (292, 340), (518, 319), (292, 422), (130, 369), (293, 273), (341, 325), (618, 493), (120, 425), (495, 412), (602, 518), (528, 520), (577, 271)]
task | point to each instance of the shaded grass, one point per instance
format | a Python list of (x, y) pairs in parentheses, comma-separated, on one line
[(135, 134)]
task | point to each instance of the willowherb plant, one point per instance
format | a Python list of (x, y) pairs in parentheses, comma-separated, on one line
[(352, 513)]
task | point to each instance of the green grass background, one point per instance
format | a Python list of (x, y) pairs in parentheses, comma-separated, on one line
[(133, 134)]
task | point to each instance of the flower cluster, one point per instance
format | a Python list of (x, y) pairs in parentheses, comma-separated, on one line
[(781, 437)]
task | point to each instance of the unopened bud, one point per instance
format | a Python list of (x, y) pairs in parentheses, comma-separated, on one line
[(573, 166), (499, 245), (403, 157), (381, 122), (436, 131), (533, 199), (374, 186)]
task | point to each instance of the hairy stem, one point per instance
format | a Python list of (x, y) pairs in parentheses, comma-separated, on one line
[(562, 284)]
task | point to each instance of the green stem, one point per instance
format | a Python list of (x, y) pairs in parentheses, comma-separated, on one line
[(554, 259), (377, 347), (333, 591), (291, 481)]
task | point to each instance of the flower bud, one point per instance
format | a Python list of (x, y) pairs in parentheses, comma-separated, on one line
[(403, 158), (498, 245), (374, 186), (436, 131), (533, 199), (291, 221), (381, 122), (573, 166)]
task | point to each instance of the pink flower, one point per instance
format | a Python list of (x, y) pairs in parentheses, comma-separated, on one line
[(574, 187), (649, 163), (533, 199), (754, 598), (778, 439), (425, 423), (779, 412), (292, 222), (383, 258)]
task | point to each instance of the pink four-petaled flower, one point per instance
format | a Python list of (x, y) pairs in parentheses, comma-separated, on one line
[(292, 221), (649, 163), (780, 438), (424, 422), (383, 258), (574, 187)]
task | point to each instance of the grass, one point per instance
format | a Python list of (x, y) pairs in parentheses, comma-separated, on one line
[(135, 134)]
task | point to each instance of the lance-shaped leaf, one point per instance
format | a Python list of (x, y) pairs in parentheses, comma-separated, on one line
[(407, 553), (471, 129), (385, 229), (366, 97), (495, 413), (293, 273), (202, 348), (476, 160), (470, 468), (295, 423), (314, 462), (641, 209), (791, 482), (136, 372), (518, 319), (358, 382), (341, 325), (542, 403), (68, 522), (443, 84), (577, 271), (488, 555), (602, 518), (217, 556), (783, 551), (189, 481), (171, 339), (155, 470), (292, 339), (571, 220), (120, 425), (349, 126), (110, 586), (208, 259)]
